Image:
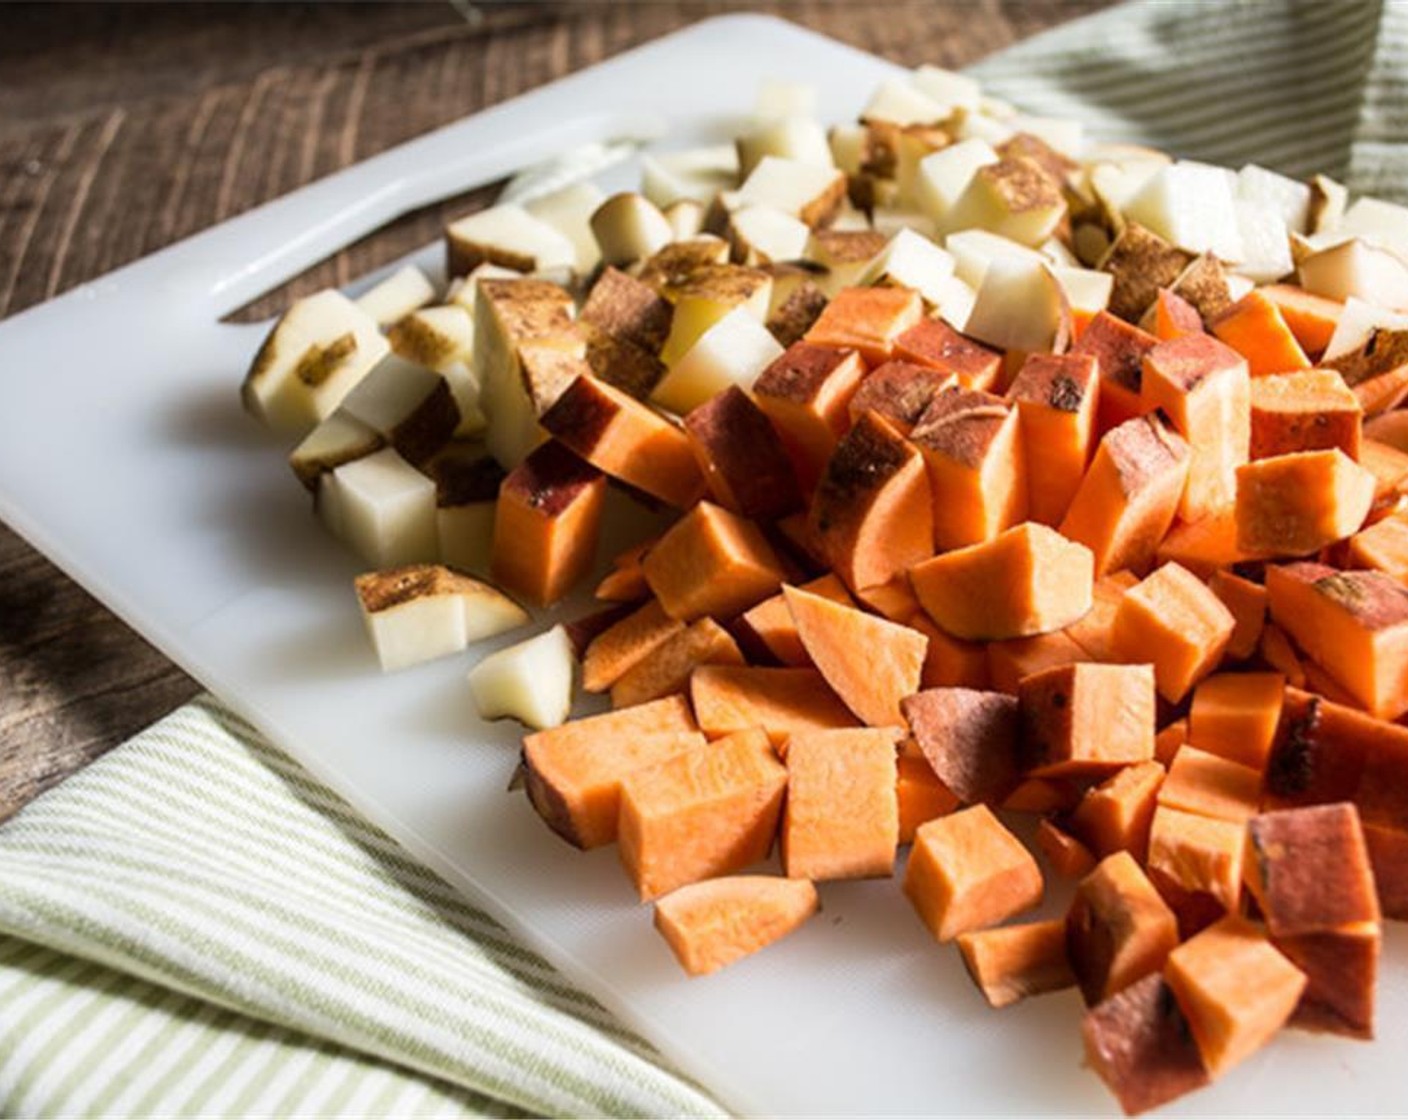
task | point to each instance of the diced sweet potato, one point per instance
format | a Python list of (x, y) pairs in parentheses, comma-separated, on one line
[(712, 924), (1028, 580), (920, 794), (708, 812), (872, 513), (1319, 751), (742, 458), (1169, 740), (1139, 1043), (900, 391), (1200, 854), (933, 343), (626, 439), (1311, 410), (1010, 661), (1086, 719), (950, 662), (1247, 602), (969, 739), (1119, 347), (1116, 815), (546, 524), (1309, 871), (712, 562), (1277, 650), (1387, 464), (574, 772), (625, 583), (620, 647), (1171, 316), (1094, 631), (1055, 399), (1235, 715), (1067, 856), (1204, 547), (1253, 327), (1310, 318), (783, 702), (1211, 786), (1291, 505), (967, 872), (1204, 390), (1172, 620), (1014, 962), (1044, 796), (1118, 929), (870, 662), (1383, 547), (972, 449), (1341, 972), (841, 820), (583, 630), (806, 393), (666, 670), (770, 622), (868, 320), (1355, 624), (1235, 988), (894, 600), (1130, 494)]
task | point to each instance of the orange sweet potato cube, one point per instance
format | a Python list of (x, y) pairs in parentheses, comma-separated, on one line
[(546, 524), (1094, 630), (1211, 786), (742, 458), (1309, 410), (708, 812), (806, 393), (621, 646), (1014, 962), (783, 702), (969, 739), (1119, 348), (972, 448), (872, 513), (1067, 856), (1086, 719), (1255, 328), (1247, 602), (899, 391), (1311, 318), (1291, 505), (1118, 928), (1204, 389), (1013, 660), (1027, 580), (920, 793), (669, 665), (1116, 815), (769, 625), (1383, 546), (1235, 715), (1055, 399), (841, 820), (1172, 620), (1130, 494), (1200, 854), (712, 924), (868, 320), (1354, 624), (933, 343), (1235, 988), (950, 662), (711, 562), (1308, 869), (967, 872)]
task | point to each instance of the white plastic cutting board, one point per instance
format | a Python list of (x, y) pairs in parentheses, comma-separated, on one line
[(125, 457)]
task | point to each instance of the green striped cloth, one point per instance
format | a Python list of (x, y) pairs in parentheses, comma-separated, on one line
[(192, 926)]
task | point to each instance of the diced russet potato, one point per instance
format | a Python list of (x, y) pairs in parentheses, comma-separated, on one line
[(321, 347), (339, 439), (706, 294), (1141, 262), (731, 352), (761, 235), (1020, 306), (408, 405), (425, 611), (383, 508), (569, 211), (792, 137), (467, 482), (944, 175), (509, 236), (810, 192), (405, 290), (910, 260), (530, 681), (1356, 269), (692, 174), (967, 872), (629, 227), (1191, 205), (1014, 197)]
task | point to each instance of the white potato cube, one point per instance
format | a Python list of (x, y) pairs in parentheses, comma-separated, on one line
[(947, 88), (911, 260), (807, 191), (1191, 205), (1381, 223), (1290, 197), (956, 303), (686, 217), (899, 101), (629, 227), (1087, 290), (1014, 198), (981, 126), (944, 175), (507, 235), (780, 98), (1328, 200), (1063, 134), (424, 611), (767, 235), (1266, 244), (1356, 268), (1020, 306), (732, 352), (693, 173), (318, 350), (1119, 183), (569, 211), (796, 138), (338, 439), (974, 249), (849, 144), (464, 289), (1356, 323), (434, 337), (530, 682), (383, 508), (397, 296), (890, 223), (1055, 251), (408, 404)]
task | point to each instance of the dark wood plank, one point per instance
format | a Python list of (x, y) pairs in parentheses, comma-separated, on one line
[(126, 127)]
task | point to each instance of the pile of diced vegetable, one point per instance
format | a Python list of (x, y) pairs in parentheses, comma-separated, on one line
[(1013, 471)]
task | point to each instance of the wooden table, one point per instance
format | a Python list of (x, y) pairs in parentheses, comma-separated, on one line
[(124, 129)]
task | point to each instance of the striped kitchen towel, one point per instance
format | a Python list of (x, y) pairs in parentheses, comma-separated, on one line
[(193, 926)]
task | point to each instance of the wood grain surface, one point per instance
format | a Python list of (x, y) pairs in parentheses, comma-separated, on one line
[(125, 128)]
